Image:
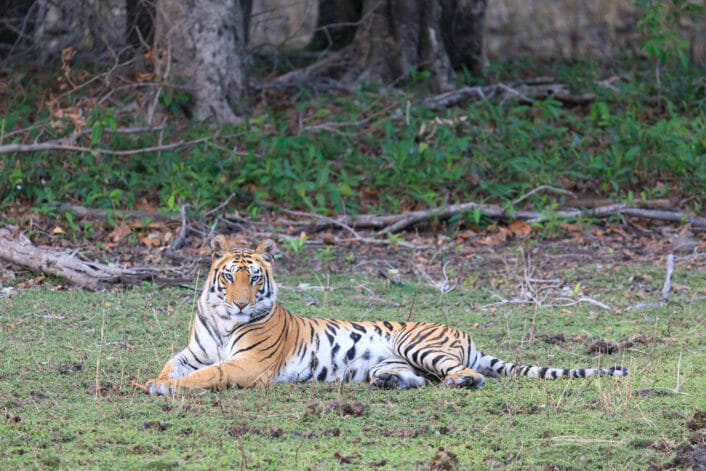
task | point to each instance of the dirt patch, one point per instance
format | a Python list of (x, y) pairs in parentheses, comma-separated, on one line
[(331, 432), (698, 421), (690, 455), (443, 461), (105, 390), (607, 348), (241, 430), (155, 426), (69, 367), (660, 446), (556, 339), (404, 433), (343, 408), (378, 464), (699, 439), (11, 418), (344, 459), (649, 392)]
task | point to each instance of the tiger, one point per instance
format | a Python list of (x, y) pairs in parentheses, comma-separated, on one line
[(243, 337)]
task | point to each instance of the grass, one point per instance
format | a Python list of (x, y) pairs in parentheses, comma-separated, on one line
[(56, 345)]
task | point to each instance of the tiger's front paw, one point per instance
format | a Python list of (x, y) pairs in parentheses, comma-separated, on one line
[(161, 387)]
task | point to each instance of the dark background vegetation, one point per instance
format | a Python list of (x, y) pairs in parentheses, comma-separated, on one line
[(331, 147)]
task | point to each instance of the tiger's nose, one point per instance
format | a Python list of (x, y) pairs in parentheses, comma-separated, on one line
[(241, 305)]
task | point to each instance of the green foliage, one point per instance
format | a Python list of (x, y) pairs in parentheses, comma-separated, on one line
[(660, 28), (485, 152)]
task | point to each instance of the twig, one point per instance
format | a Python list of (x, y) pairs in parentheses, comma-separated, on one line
[(53, 145), (180, 239), (323, 218), (82, 212), (667, 279), (665, 289), (220, 206), (542, 188)]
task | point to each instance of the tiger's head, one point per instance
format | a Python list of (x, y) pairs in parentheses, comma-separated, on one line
[(240, 285)]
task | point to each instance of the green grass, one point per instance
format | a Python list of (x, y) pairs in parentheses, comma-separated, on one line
[(55, 345)]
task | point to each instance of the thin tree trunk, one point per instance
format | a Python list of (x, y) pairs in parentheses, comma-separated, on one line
[(395, 38), (203, 40)]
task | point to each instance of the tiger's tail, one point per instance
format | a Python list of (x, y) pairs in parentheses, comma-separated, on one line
[(491, 366)]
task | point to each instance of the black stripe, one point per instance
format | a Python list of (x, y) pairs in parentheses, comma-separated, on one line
[(543, 372), (355, 336), (322, 375), (387, 325), (358, 327), (249, 348), (195, 357)]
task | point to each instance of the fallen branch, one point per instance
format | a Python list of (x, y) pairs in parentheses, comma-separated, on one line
[(83, 212), (89, 275), (525, 91), (54, 145)]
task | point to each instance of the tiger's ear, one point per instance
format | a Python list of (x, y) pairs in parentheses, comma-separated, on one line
[(266, 249), (219, 246)]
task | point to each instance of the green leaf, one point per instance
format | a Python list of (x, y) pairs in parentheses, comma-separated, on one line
[(96, 133)]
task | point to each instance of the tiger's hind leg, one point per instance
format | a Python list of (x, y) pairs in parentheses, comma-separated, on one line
[(395, 373), (451, 370)]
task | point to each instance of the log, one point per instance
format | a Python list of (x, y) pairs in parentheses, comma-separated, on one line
[(89, 275)]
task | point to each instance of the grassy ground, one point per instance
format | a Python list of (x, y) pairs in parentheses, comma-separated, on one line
[(56, 345)]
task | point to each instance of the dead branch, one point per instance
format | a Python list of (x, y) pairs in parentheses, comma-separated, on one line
[(667, 279), (83, 212), (180, 239), (665, 289), (393, 223), (526, 91), (542, 188), (57, 145), (89, 275)]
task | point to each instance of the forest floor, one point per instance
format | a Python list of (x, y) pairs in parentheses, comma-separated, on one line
[(70, 359)]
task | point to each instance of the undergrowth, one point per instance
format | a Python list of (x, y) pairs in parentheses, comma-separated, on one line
[(343, 152)]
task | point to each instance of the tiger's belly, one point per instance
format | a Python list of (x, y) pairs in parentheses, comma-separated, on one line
[(347, 356)]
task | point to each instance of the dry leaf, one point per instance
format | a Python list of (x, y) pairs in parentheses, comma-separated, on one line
[(119, 231), (57, 230), (146, 76), (520, 228), (32, 282), (144, 205), (151, 240)]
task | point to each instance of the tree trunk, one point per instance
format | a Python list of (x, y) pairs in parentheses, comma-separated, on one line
[(89, 27), (202, 47), (462, 24), (396, 37)]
